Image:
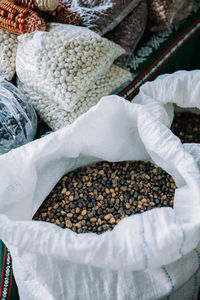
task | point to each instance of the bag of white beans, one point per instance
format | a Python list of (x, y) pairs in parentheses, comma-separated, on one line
[(8, 50), (53, 114), (64, 63)]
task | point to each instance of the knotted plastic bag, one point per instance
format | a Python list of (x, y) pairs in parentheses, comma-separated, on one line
[(18, 121)]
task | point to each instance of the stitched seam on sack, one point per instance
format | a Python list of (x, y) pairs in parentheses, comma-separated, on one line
[(170, 280), (180, 251), (186, 33), (195, 280), (146, 263)]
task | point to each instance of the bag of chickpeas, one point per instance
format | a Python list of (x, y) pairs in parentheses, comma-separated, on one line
[(105, 208), (63, 63), (8, 50)]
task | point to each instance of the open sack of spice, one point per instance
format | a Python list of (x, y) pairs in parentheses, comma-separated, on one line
[(137, 252), (102, 16), (179, 94), (163, 14), (64, 63), (18, 120)]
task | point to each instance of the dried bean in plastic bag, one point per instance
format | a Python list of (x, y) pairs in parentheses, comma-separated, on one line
[(165, 13), (128, 33), (8, 50), (103, 15), (64, 63), (56, 117)]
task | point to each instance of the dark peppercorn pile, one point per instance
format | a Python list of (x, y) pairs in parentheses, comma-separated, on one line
[(187, 127), (95, 198)]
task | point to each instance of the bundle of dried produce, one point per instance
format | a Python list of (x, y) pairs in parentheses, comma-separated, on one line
[(19, 20), (42, 5), (63, 15)]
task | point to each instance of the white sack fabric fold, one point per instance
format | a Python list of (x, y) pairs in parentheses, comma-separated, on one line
[(181, 88), (54, 263)]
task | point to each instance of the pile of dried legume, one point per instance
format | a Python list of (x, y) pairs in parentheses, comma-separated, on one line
[(187, 127), (95, 198)]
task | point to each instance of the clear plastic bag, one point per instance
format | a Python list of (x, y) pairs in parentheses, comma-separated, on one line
[(56, 117), (64, 63), (165, 13), (102, 16), (18, 120), (128, 33), (8, 50)]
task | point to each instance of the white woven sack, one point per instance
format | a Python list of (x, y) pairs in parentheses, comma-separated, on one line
[(181, 88), (147, 256)]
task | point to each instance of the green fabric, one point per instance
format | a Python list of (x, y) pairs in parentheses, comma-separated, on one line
[(177, 49), (183, 56), (8, 288)]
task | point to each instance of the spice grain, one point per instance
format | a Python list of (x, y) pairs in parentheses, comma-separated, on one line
[(98, 215)]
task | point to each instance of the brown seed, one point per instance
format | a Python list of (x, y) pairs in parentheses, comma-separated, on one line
[(67, 193), (112, 220), (89, 184), (77, 210), (128, 205), (70, 215), (101, 172), (107, 191), (43, 215), (64, 191), (100, 197), (144, 200), (68, 224), (100, 222), (107, 217), (78, 225), (84, 212), (93, 220), (57, 222), (71, 198)]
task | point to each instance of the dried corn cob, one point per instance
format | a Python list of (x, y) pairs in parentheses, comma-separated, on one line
[(62, 15), (19, 20), (43, 5)]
